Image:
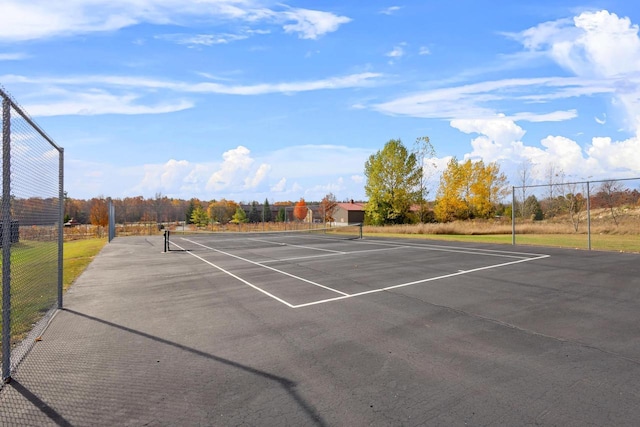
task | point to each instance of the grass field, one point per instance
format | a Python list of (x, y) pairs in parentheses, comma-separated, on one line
[(34, 278), (78, 254)]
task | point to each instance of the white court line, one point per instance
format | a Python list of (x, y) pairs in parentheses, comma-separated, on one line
[(327, 255), (388, 288), (236, 277), (302, 279), (297, 246), (345, 295), (454, 249)]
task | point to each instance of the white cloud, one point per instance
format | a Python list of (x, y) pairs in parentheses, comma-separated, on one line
[(252, 181), (397, 51), (201, 39), (39, 19), (622, 156), (601, 49), (279, 186), (233, 173), (495, 140), (390, 10), (100, 102), (499, 141), (477, 100), (309, 171), (595, 45), (75, 95), (601, 121), (311, 24), (424, 50)]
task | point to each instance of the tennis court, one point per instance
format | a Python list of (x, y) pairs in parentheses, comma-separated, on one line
[(288, 330), (303, 268)]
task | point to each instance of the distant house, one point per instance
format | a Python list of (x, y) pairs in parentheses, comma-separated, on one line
[(349, 213)]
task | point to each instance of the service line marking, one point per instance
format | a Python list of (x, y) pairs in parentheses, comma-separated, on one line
[(298, 246), (327, 255)]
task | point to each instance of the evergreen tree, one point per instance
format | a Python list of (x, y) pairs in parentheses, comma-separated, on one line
[(254, 215), (266, 211), (282, 215)]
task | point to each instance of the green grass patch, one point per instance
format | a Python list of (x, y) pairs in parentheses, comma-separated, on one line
[(77, 255), (34, 278)]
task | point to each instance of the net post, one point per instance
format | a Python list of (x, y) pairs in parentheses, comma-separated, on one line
[(360, 229), (166, 241)]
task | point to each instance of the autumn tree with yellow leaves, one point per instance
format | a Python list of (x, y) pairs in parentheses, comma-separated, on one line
[(469, 190)]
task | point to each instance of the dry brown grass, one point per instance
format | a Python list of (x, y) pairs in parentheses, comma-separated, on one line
[(601, 223)]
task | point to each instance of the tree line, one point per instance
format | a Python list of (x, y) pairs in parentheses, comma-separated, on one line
[(163, 209)]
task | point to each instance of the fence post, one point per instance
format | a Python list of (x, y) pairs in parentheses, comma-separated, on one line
[(513, 215), (60, 225), (588, 216), (112, 220), (6, 240)]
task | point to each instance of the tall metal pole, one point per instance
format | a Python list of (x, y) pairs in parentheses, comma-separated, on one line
[(60, 225), (513, 215), (588, 216), (6, 240)]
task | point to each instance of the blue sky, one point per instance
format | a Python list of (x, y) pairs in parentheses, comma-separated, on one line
[(249, 99)]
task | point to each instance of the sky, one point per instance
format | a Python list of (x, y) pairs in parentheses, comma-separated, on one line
[(252, 99)]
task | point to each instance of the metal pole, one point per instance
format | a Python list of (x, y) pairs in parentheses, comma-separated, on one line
[(588, 216), (6, 240), (60, 226), (513, 215)]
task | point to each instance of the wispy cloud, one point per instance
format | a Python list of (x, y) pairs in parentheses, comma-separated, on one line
[(397, 51), (13, 56), (126, 94), (390, 10), (38, 19), (101, 102), (478, 100), (201, 39)]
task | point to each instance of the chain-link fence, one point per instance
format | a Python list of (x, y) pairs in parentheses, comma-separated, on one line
[(602, 214), (30, 232)]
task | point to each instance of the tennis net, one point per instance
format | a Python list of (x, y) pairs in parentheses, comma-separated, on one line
[(259, 239)]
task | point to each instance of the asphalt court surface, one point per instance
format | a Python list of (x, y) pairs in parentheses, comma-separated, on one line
[(300, 271), (426, 333)]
